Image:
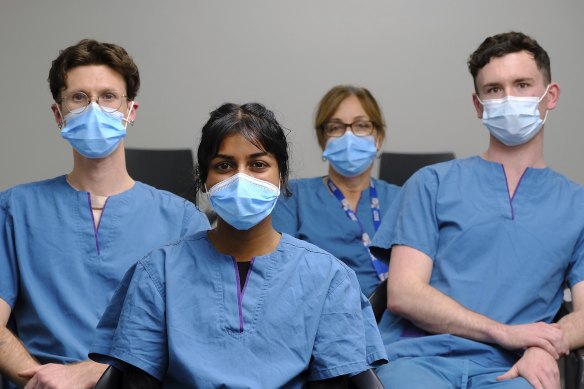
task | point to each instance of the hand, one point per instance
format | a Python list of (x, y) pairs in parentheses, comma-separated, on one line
[(546, 336), (538, 367), (83, 375)]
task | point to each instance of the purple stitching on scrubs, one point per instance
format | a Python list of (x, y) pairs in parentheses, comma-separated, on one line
[(240, 290), (514, 193), (93, 222)]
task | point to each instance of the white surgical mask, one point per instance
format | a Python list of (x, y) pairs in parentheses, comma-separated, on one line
[(513, 120)]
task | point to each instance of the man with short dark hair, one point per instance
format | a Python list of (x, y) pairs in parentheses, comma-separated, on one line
[(481, 248), (66, 242)]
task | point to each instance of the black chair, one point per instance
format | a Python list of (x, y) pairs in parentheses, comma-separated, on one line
[(573, 363), (171, 170), (132, 378), (396, 168)]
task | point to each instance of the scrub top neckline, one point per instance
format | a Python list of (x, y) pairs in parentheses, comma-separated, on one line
[(283, 240), (127, 192), (500, 165)]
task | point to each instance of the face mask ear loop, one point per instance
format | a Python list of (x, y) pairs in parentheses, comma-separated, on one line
[(544, 93), (126, 118), (62, 124)]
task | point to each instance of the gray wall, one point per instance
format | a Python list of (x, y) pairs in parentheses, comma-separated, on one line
[(195, 55)]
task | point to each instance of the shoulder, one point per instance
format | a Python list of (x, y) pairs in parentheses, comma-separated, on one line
[(385, 187), (300, 185), (313, 260), (31, 191), (161, 198)]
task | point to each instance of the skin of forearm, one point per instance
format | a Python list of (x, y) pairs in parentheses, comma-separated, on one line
[(572, 326), (433, 311), (13, 356)]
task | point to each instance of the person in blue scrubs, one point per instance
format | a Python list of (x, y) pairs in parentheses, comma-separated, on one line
[(242, 305), (341, 211), (66, 242), (482, 247)]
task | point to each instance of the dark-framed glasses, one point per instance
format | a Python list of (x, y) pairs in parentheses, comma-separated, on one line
[(77, 102), (358, 127)]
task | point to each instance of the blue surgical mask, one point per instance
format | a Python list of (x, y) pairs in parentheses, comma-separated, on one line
[(94, 133), (243, 201), (513, 120), (350, 155)]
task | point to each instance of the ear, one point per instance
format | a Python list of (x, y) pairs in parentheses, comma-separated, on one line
[(132, 113), (552, 97), (57, 114), (477, 105)]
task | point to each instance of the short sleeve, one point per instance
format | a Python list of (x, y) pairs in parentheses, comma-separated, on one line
[(285, 214), (8, 262), (576, 270), (412, 220), (194, 220), (133, 328), (347, 340)]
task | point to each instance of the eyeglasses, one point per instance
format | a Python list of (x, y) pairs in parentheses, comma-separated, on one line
[(359, 128), (108, 102)]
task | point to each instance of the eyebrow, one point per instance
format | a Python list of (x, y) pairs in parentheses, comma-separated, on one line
[(354, 119), (251, 156)]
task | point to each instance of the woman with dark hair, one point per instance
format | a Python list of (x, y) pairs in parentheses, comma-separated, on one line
[(240, 306), (341, 211)]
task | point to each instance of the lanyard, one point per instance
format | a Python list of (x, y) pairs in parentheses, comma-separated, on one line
[(381, 268)]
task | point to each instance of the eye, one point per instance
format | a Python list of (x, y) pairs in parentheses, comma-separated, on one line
[(222, 166), (258, 165), (523, 85), (78, 97), (109, 96), (363, 125)]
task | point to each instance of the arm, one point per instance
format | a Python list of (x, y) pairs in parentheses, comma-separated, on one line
[(573, 323), (13, 355), (409, 294)]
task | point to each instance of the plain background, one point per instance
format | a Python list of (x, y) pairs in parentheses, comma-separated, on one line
[(195, 55)]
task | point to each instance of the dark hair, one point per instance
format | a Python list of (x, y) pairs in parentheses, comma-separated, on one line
[(91, 52), (506, 43), (333, 98), (255, 123)]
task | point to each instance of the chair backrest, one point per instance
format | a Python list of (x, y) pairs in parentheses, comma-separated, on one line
[(378, 300), (171, 170), (396, 168)]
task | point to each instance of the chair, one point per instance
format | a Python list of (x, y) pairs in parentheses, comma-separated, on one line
[(171, 170), (133, 378), (573, 363), (396, 168)]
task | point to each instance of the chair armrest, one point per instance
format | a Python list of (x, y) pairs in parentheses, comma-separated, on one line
[(365, 380), (378, 300), (130, 378)]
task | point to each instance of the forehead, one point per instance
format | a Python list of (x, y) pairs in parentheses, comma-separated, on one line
[(349, 109), (238, 145), (508, 68), (94, 78)]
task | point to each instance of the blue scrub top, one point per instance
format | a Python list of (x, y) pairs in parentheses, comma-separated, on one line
[(315, 215), (58, 275), (179, 315), (506, 258)]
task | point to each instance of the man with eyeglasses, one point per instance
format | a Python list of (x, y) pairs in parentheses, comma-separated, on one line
[(66, 242), (482, 247)]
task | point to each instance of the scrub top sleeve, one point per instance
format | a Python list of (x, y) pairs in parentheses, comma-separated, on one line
[(194, 220), (8, 264), (340, 345), (374, 347), (285, 214), (576, 269), (133, 329), (415, 220)]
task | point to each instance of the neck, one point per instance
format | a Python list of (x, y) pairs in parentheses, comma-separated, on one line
[(517, 158), (101, 176), (244, 245), (351, 185)]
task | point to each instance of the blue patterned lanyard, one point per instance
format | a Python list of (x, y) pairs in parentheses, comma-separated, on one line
[(381, 268)]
